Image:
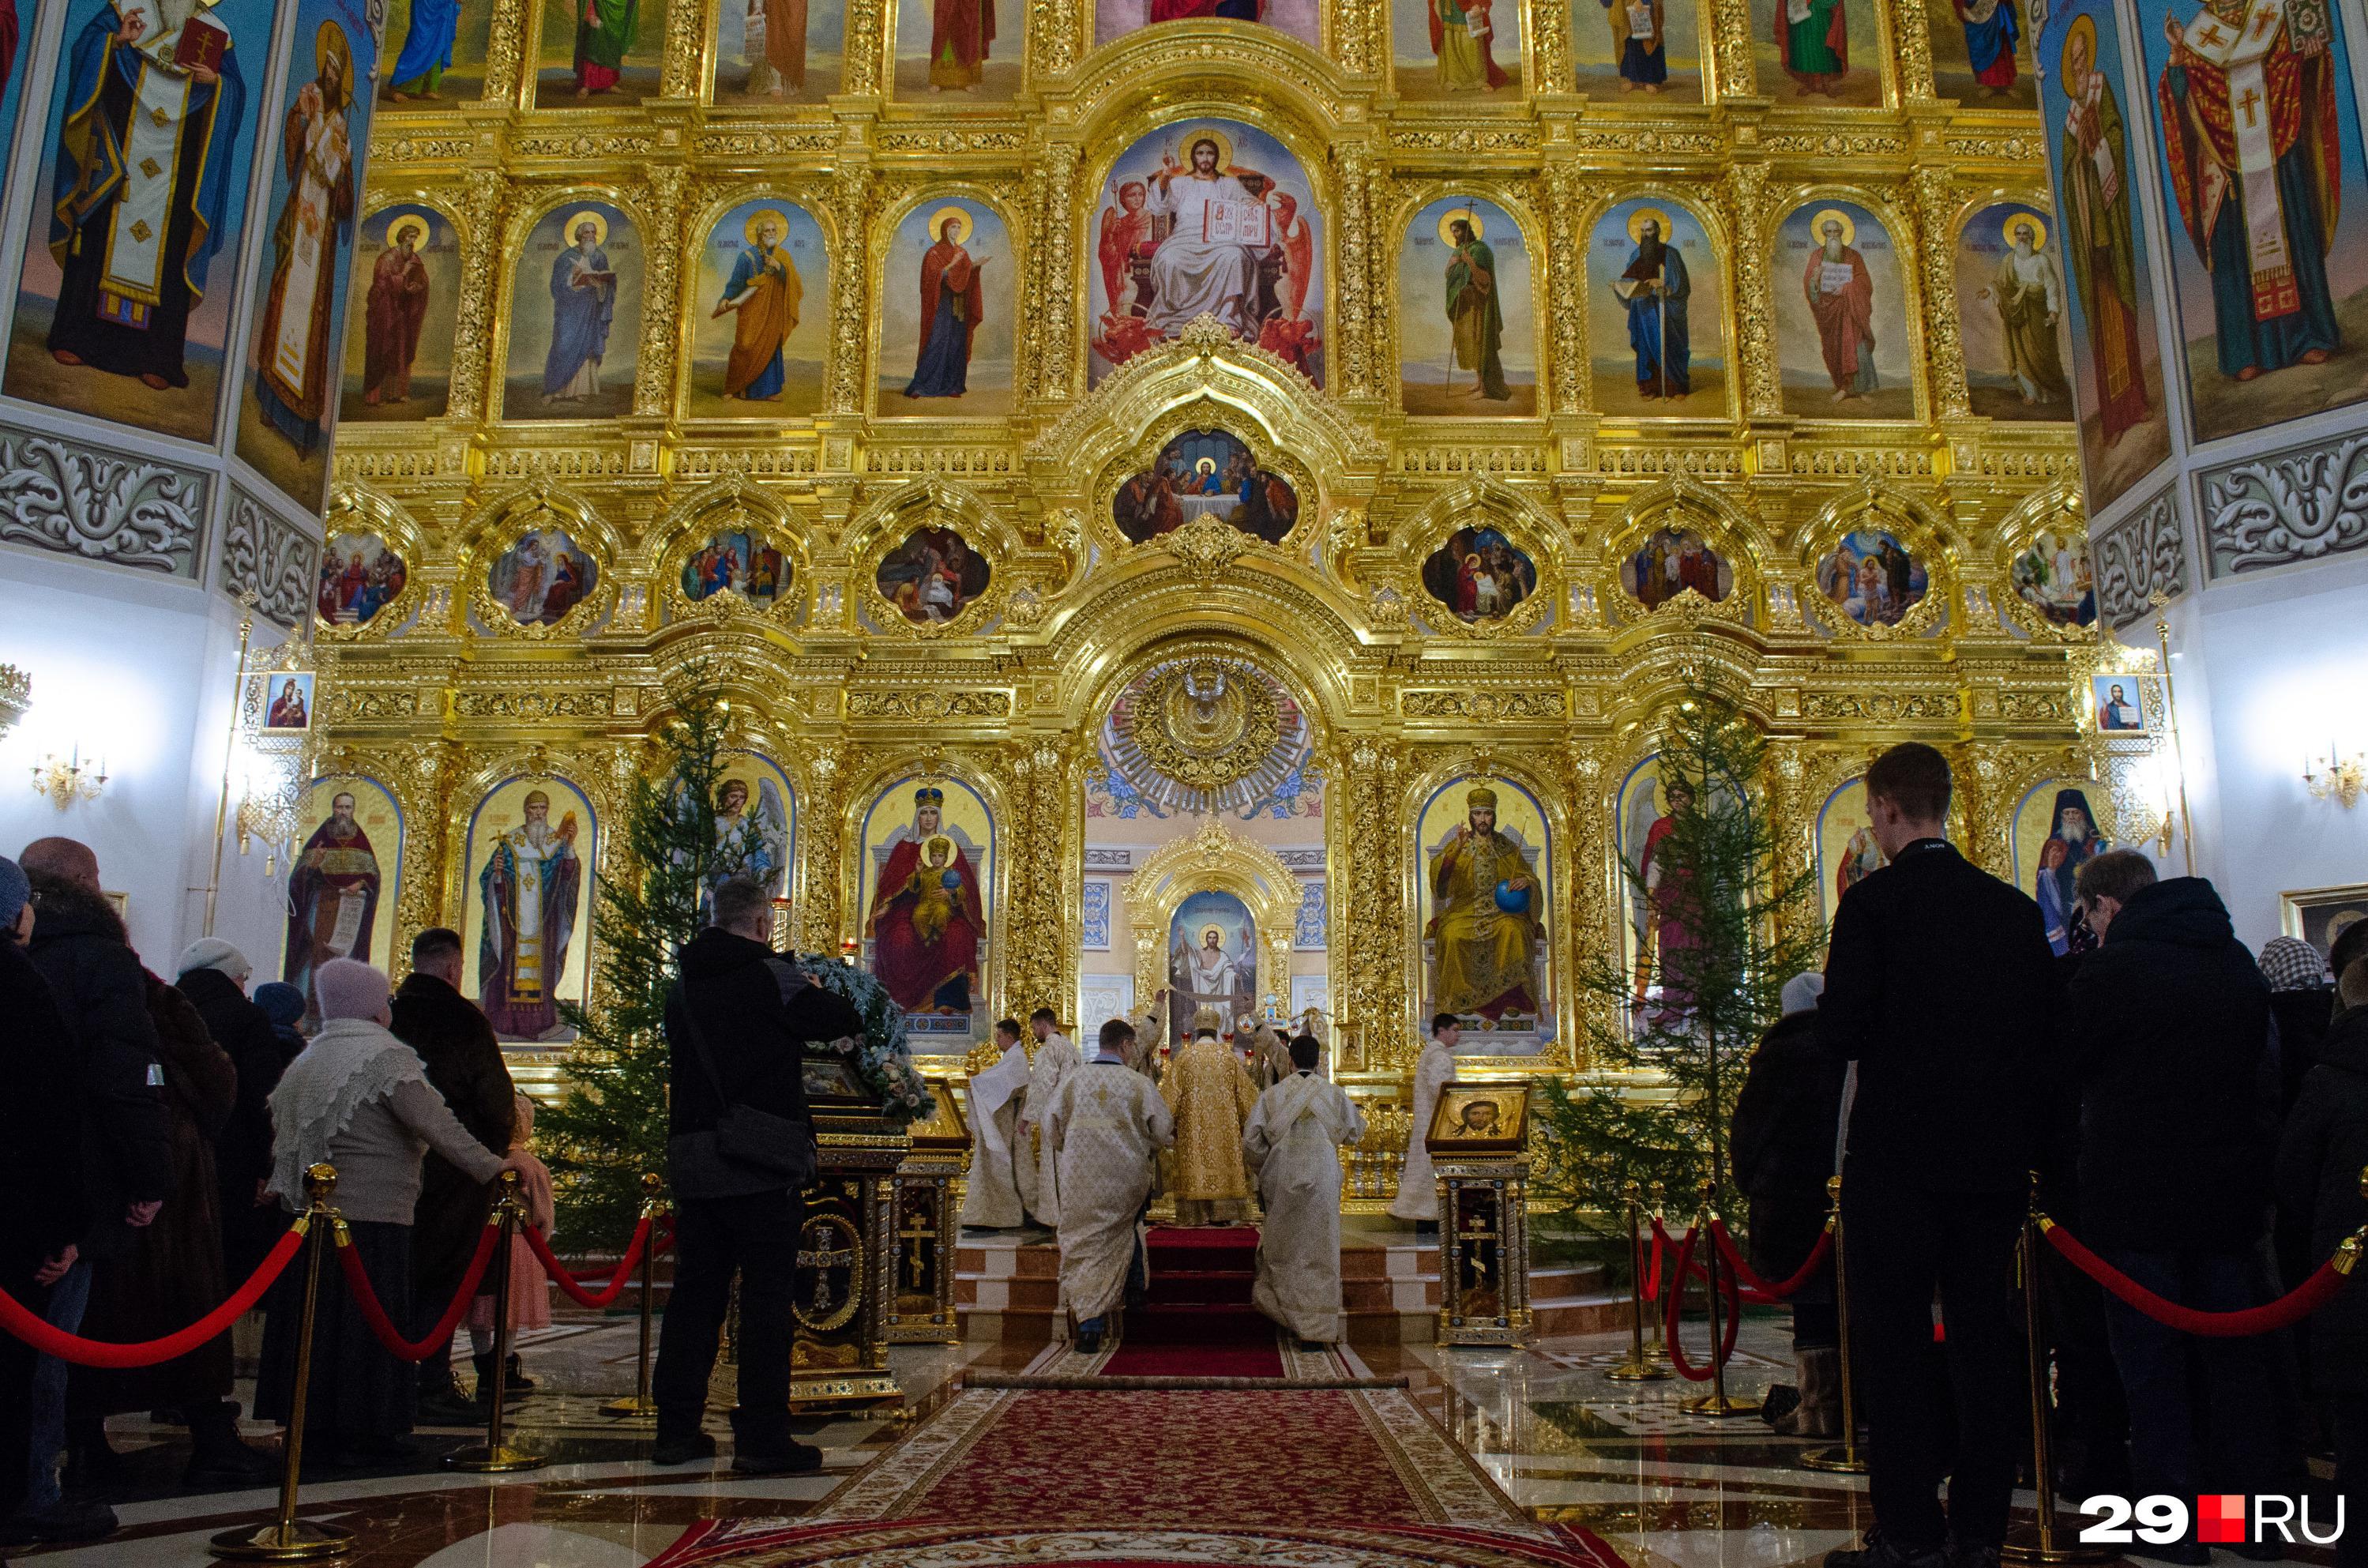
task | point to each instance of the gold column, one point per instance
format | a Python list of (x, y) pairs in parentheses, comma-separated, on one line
[(1369, 923), (1729, 52), (1935, 206), (484, 212), (1743, 202), (1051, 361), (851, 197), (822, 819), (662, 203), (1911, 46), (1570, 375), (864, 46)]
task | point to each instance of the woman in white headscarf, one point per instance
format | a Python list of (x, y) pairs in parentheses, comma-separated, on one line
[(359, 1099), (1783, 1140), (2301, 1001)]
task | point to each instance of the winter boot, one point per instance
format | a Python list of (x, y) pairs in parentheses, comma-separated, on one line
[(1819, 1414), (518, 1381), (218, 1457)]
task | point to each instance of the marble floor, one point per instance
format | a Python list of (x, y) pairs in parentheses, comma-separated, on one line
[(1666, 1488)]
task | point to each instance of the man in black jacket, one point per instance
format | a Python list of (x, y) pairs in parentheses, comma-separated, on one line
[(1939, 985), (42, 1215), (2178, 1116), (464, 1064), (80, 946), (749, 1013), (2323, 1152)]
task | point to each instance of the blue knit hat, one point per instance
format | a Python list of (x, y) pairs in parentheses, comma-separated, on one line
[(281, 1002), (15, 891)]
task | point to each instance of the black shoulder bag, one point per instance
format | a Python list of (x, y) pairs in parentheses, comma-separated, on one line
[(747, 1151)]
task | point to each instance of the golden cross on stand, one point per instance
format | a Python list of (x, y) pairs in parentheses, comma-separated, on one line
[(1477, 1234), (914, 1234)]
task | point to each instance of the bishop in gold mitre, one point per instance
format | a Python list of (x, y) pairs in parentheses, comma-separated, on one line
[(1484, 927), (1210, 1095)]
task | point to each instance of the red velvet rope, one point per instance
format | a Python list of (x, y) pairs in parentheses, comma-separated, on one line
[(572, 1285), (19, 1320), (374, 1314), (2286, 1311), (1652, 1291), (1685, 1266), (1755, 1289)]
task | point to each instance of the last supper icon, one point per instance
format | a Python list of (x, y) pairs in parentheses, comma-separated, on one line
[(1204, 473)]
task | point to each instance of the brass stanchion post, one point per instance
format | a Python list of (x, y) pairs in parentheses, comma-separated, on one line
[(287, 1539), (1717, 1403), (1636, 1369), (1656, 1352), (493, 1456), (1845, 1459), (639, 1402), (2040, 1546)]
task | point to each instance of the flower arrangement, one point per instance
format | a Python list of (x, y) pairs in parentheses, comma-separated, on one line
[(882, 1058)]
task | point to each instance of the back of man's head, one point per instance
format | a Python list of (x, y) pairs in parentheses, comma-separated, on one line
[(436, 950), (68, 860), (743, 907), (1045, 1016), (2116, 874), (1915, 778), (2353, 988), (1306, 1051), (1116, 1035), (2347, 949), (1441, 1022)]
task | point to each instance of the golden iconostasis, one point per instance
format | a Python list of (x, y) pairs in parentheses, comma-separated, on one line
[(1149, 472)]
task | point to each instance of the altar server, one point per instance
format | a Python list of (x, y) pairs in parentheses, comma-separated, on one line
[(1104, 1131), (1056, 1058), (995, 1201), (1293, 1142), (1418, 1198)]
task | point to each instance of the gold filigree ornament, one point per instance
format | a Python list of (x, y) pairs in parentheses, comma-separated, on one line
[(1208, 723)]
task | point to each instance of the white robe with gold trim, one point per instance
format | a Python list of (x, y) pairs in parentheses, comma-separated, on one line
[(1293, 1141), (1103, 1129)]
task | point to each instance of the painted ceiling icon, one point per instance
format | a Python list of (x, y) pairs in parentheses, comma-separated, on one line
[(1205, 734)]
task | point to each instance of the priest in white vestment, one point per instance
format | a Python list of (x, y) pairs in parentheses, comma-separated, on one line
[(1105, 1129), (1418, 1198), (1292, 1142), (1056, 1058), (994, 1201)]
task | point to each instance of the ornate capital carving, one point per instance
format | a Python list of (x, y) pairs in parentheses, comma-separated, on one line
[(2297, 505), (2142, 555), (83, 500), (264, 554)]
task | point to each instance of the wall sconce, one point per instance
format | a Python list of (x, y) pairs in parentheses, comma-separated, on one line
[(66, 779), (2336, 777), (16, 696)]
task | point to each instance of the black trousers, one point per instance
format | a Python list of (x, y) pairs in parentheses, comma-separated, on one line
[(754, 1237), (2350, 1423), (1906, 1244)]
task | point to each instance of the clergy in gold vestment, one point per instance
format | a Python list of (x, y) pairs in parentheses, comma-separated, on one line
[(1212, 1097), (1055, 1059), (1105, 1128), (1418, 1198), (1486, 930), (1293, 1142)]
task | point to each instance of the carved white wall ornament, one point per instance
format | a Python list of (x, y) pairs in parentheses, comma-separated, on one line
[(2297, 505), (2144, 553), (79, 500), (267, 553)]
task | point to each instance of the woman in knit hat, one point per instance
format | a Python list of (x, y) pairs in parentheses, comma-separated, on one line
[(2301, 1001), (357, 1099), (213, 976)]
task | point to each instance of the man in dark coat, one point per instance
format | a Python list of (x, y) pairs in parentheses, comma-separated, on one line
[(2170, 1045), (171, 1275), (1940, 986), (41, 1212), (2318, 1172), (464, 1063), (740, 1019), (80, 946), (1786, 1119), (214, 977)]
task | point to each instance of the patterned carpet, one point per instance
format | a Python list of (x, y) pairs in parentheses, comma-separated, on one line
[(753, 1544)]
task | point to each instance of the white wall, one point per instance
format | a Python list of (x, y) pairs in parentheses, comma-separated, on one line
[(2269, 667), (137, 667)]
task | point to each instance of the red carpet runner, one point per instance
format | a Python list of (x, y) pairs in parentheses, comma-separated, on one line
[(1197, 1320)]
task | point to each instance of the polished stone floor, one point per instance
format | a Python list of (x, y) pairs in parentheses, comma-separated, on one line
[(1665, 1488)]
